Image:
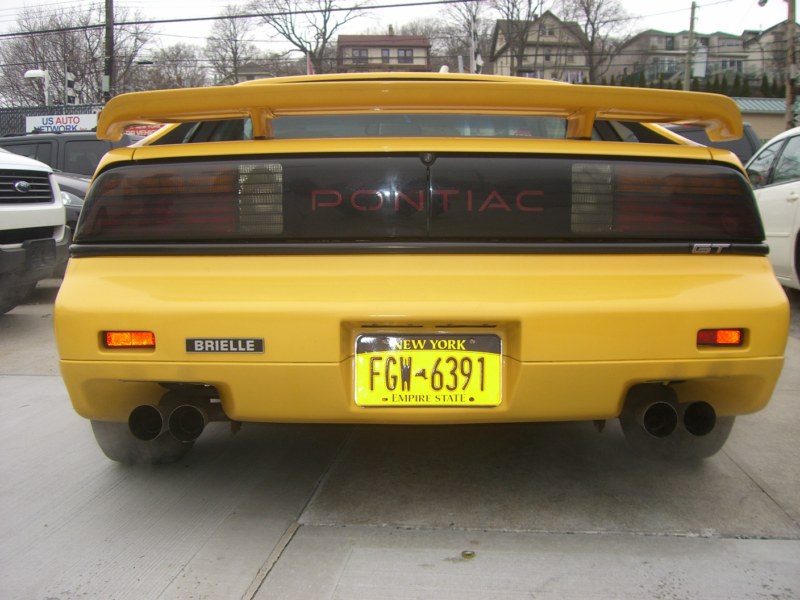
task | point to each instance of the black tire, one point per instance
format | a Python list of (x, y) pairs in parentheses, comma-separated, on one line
[(118, 443)]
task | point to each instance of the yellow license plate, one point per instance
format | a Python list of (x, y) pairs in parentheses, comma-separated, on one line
[(428, 370)]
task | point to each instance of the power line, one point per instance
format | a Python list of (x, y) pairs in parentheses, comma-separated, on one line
[(242, 16)]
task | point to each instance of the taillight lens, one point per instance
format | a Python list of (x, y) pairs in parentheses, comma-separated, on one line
[(662, 201), (720, 337), (200, 201), (129, 339)]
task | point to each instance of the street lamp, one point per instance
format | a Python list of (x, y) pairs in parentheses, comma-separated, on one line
[(41, 74)]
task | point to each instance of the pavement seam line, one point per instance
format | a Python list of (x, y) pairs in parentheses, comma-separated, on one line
[(272, 559), (762, 486), (337, 459), (293, 528)]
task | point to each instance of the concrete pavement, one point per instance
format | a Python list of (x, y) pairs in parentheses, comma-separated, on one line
[(306, 512)]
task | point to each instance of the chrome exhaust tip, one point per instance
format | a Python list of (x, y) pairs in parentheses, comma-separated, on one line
[(187, 422), (699, 418), (146, 422), (659, 419)]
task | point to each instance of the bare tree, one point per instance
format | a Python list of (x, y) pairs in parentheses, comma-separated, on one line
[(177, 66), (606, 27), (309, 25), (230, 45), (468, 22), (73, 42), (516, 20), (450, 40)]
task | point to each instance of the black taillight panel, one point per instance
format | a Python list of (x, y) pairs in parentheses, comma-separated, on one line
[(425, 197)]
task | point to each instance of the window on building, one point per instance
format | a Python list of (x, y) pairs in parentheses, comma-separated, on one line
[(547, 55), (385, 55), (360, 55), (669, 42), (405, 55)]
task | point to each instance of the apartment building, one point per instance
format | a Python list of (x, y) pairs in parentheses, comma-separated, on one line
[(362, 53)]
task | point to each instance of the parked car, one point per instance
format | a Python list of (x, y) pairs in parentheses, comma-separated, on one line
[(33, 234), (73, 188), (73, 157), (775, 174), (418, 248), (73, 152), (744, 147)]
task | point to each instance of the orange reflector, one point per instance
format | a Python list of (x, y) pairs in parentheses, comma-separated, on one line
[(720, 337), (130, 339)]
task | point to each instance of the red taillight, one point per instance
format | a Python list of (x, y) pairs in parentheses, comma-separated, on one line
[(720, 337), (129, 339), (686, 200), (195, 201)]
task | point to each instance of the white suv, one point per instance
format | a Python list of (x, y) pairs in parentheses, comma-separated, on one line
[(33, 234)]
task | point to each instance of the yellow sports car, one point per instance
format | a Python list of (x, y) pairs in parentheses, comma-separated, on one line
[(418, 248)]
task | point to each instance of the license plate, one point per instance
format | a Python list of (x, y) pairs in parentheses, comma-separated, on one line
[(428, 370)]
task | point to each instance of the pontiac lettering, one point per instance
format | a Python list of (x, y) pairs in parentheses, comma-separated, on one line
[(367, 200)]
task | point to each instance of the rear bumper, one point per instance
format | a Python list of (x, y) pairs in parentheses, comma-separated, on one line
[(324, 393), (577, 332), (35, 259)]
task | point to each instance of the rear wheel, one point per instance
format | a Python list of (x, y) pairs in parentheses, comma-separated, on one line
[(119, 444)]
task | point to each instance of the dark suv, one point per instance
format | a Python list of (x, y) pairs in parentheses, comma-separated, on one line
[(68, 152), (744, 147)]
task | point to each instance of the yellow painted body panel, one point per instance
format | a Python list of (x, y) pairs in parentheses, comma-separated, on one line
[(577, 331), (569, 148)]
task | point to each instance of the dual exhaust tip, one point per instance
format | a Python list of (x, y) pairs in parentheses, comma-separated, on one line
[(185, 422), (660, 419)]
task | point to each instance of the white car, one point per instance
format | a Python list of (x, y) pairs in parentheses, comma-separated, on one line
[(34, 237), (775, 174)]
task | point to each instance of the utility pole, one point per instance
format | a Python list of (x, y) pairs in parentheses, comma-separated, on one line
[(108, 69), (689, 64), (791, 66)]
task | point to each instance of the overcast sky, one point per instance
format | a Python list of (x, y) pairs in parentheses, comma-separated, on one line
[(731, 16)]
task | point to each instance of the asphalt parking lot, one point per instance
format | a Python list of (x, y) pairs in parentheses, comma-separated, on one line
[(305, 512)]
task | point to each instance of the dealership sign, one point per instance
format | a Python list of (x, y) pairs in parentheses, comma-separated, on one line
[(51, 123)]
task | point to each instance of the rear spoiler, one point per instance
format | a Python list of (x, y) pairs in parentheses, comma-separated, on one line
[(580, 105)]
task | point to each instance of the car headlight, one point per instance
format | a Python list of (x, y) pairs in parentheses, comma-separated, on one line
[(70, 199)]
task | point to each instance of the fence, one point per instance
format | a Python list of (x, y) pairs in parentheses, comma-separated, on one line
[(12, 120)]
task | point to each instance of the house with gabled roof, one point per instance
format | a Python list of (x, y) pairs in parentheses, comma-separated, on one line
[(545, 47)]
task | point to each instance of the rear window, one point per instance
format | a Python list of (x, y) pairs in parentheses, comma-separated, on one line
[(374, 125), (41, 151), (418, 125), (82, 156)]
